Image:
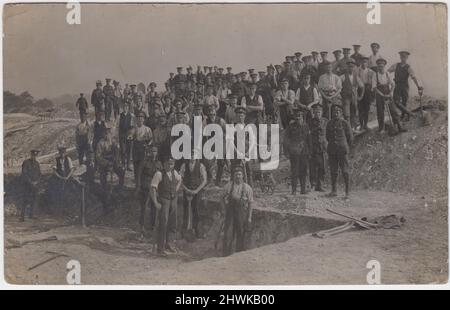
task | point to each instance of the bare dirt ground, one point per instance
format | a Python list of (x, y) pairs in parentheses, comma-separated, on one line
[(404, 175)]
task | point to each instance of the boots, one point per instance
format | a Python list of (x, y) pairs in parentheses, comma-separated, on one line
[(333, 192)]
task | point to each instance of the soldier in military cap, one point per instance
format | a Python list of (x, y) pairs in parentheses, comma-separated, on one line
[(31, 177), (145, 173), (402, 72), (337, 57), (375, 47), (322, 65), (82, 105), (137, 100), (317, 127), (284, 102), (356, 56), (297, 143), (108, 158), (340, 138), (108, 91), (229, 75), (341, 66), (98, 97), (118, 99), (127, 122), (311, 70), (180, 82)]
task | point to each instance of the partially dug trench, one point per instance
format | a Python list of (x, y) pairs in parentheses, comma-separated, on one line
[(268, 226)]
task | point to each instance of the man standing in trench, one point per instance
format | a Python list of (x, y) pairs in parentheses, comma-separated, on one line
[(165, 185), (31, 175), (238, 204), (194, 180)]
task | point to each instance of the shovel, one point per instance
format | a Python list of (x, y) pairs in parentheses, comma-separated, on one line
[(424, 115), (190, 235)]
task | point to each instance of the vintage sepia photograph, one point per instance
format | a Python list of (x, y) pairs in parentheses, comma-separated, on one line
[(245, 144)]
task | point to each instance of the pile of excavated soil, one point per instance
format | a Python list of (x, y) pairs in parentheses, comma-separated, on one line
[(415, 161), (24, 133)]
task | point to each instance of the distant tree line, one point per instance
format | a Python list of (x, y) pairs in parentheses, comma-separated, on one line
[(25, 103)]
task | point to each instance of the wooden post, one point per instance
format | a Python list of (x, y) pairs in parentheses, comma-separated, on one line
[(83, 206)]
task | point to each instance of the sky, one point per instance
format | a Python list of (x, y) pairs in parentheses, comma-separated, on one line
[(144, 42)]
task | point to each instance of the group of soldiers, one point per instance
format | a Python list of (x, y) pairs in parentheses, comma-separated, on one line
[(319, 105)]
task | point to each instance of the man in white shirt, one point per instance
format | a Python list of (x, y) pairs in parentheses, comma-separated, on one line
[(383, 86), (365, 74), (330, 86), (284, 101), (351, 86), (210, 99), (375, 56), (164, 193)]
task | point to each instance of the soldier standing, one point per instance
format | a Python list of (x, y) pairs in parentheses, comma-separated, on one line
[(82, 105), (82, 132), (317, 127), (339, 137), (118, 99), (194, 180), (98, 98), (31, 175), (165, 185), (107, 155), (403, 72), (238, 204), (108, 91), (126, 123), (146, 171), (297, 143)]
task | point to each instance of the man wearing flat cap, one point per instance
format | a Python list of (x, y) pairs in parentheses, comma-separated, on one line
[(98, 97), (31, 176), (340, 138), (356, 56), (315, 59), (238, 203), (297, 143), (383, 86), (402, 72), (141, 136), (330, 86)]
